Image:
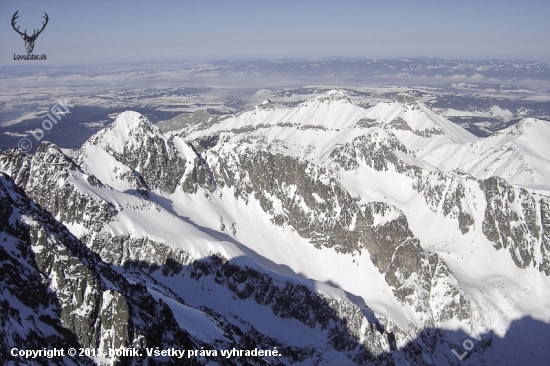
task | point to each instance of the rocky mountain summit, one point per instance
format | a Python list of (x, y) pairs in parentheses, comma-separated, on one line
[(332, 233)]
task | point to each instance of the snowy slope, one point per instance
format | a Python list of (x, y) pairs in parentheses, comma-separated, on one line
[(520, 154)]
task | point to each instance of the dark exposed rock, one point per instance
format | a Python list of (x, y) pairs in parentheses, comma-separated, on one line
[(90, 305), (507, 227), (47, 178)]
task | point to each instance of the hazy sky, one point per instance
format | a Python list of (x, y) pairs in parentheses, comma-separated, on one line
[(87, 32)]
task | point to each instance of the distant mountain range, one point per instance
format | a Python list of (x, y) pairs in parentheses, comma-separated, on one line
[(497, 69)]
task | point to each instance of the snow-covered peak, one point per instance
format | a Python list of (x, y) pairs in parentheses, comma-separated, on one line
[(416, 125), (528, 127), (129, 128), (131, 122), (265, 105), (334, 95), (316, 126), (531, 135), (331, 111), (520, 154)]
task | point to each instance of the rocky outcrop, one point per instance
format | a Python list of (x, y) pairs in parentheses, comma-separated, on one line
[(309, 199), (516, 220), (48, 177), (78, 299)]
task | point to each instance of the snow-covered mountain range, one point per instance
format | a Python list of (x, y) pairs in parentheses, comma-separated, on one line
[(338, 234), (481, 96)]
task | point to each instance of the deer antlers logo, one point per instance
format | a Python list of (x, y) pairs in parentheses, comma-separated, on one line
[(29, 40)]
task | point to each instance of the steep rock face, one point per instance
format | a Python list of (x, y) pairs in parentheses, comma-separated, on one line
[(137, 158), (309, 199), (345, 325), (416, 277), (342, 320), (512, 215), (141, 146), (82, 301), (447, 193), (516, 221), (545, 240), (30, 313), (382, 151), (49, 177), (377, 149), (292, 190)]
